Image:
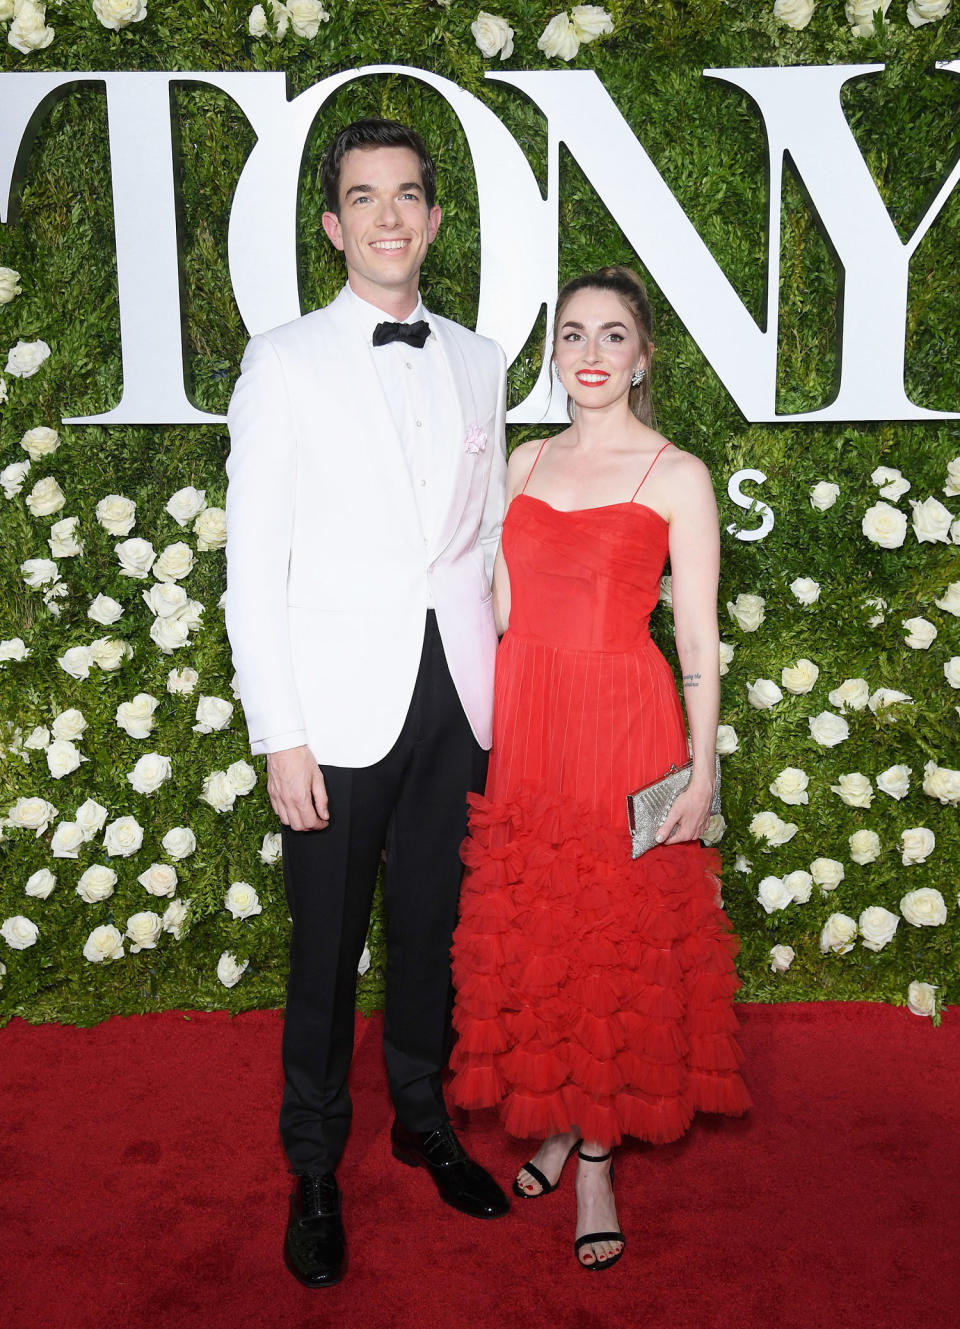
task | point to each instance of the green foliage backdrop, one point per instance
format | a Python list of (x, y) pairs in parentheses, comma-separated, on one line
[(707, 142)]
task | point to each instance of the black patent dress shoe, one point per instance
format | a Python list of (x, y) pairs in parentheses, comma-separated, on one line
[(315, 1250), (461, 1182)]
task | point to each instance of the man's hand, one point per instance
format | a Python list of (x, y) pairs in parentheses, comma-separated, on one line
[(296, 789)]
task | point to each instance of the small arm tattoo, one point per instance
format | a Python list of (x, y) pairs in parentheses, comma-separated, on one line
[(691, 680)]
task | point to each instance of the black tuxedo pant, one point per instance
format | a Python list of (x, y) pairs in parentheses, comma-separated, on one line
[(413, 804)]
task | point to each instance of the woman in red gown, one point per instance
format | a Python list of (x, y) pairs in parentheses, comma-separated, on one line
[(594, 991)]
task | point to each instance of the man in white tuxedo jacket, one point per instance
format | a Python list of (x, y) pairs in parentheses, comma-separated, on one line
[(366, 480)]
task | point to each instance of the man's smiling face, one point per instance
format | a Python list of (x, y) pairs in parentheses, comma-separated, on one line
[(384, 227)]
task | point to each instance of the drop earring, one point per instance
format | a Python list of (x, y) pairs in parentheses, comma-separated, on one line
[(639, 374)]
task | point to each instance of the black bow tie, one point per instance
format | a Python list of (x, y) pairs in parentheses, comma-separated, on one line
[(414, 334)]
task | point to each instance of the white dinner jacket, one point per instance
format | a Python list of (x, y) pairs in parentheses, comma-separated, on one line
[(327, 565)]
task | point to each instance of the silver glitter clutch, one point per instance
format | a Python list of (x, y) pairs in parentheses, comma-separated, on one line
[(647, 807)]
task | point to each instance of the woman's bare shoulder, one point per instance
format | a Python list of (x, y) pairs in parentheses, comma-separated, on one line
[(685, 466)]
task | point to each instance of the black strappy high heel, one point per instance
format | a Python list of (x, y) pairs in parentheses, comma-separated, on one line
[(545, 1186), (588, 1238)]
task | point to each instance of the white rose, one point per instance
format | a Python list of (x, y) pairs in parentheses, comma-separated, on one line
[(165, 599), (169, 634), (852, 694), (880, 605), (19, 932), (781, 958), (46, 497), (136, 717), (951, 671), (242, 777), (117, 14), (159, 879), (742, 864), (234, 689), (31, 814), (952, 487), (13, 648), (39, 572), (838, 934), (150, 772), (801, 677), (109, 653), (768, 826), (136, 557), (895, 781), (363, 964), (12, 477), (38, 740), (827, 873), (186, 504), (799, 884), (941, 783), (920, 633), (931, 521), (951, 599), (6, 10), (96, 884), (213, 713), (24, 359), (916, 844), (144, 930), (864, 847), (860, 15), (590, 22), (806, 590), (790, 786), (218, 792), (182, 681), (241, 900), (9, 277), (228, 971), (824, 494), (174, 917), (257, 22), (174, 562), (884, 698), (63, 757), (877, 927), (727, 740), (40, 442), (67, 839), (726, 657), (210, 529), (271, 851), (773, 895), (795, 14), (747, 611), (890, 482), (104, 943), (69, 724), (925, 908), (90, 817), (921, 997), (854, 789), (493, 35), (117, 514), (104, 609), (828, 729), (884, 526), (306, 17), (40, 885), (123, 837), (559, 39), (63, 540), (763, 693), (179, 842)]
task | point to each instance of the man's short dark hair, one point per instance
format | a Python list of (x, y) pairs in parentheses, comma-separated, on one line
[(373, 132)]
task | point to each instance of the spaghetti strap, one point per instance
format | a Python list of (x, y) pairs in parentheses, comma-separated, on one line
[(666, 445), (534, 466)]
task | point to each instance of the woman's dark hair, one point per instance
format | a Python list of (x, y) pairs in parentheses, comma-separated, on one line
[(624, 283), (373, 132)]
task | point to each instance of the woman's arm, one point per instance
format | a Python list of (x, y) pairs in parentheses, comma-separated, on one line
[(695, 567), (519, 465)]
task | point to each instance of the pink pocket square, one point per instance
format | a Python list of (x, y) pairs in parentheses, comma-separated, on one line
[(476, 439)]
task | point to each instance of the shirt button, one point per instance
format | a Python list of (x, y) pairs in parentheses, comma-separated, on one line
[(423, 484), (419, 424), (409, 365)]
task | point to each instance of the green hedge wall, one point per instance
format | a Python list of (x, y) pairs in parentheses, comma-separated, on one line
[(707, 141)]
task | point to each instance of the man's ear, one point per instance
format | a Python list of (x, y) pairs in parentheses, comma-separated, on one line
[(331, 224)]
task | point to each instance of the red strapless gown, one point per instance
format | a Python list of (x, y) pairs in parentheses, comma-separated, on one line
[(592, 989)]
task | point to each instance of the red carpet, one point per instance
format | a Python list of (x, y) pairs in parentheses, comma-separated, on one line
[(143, 1186)]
